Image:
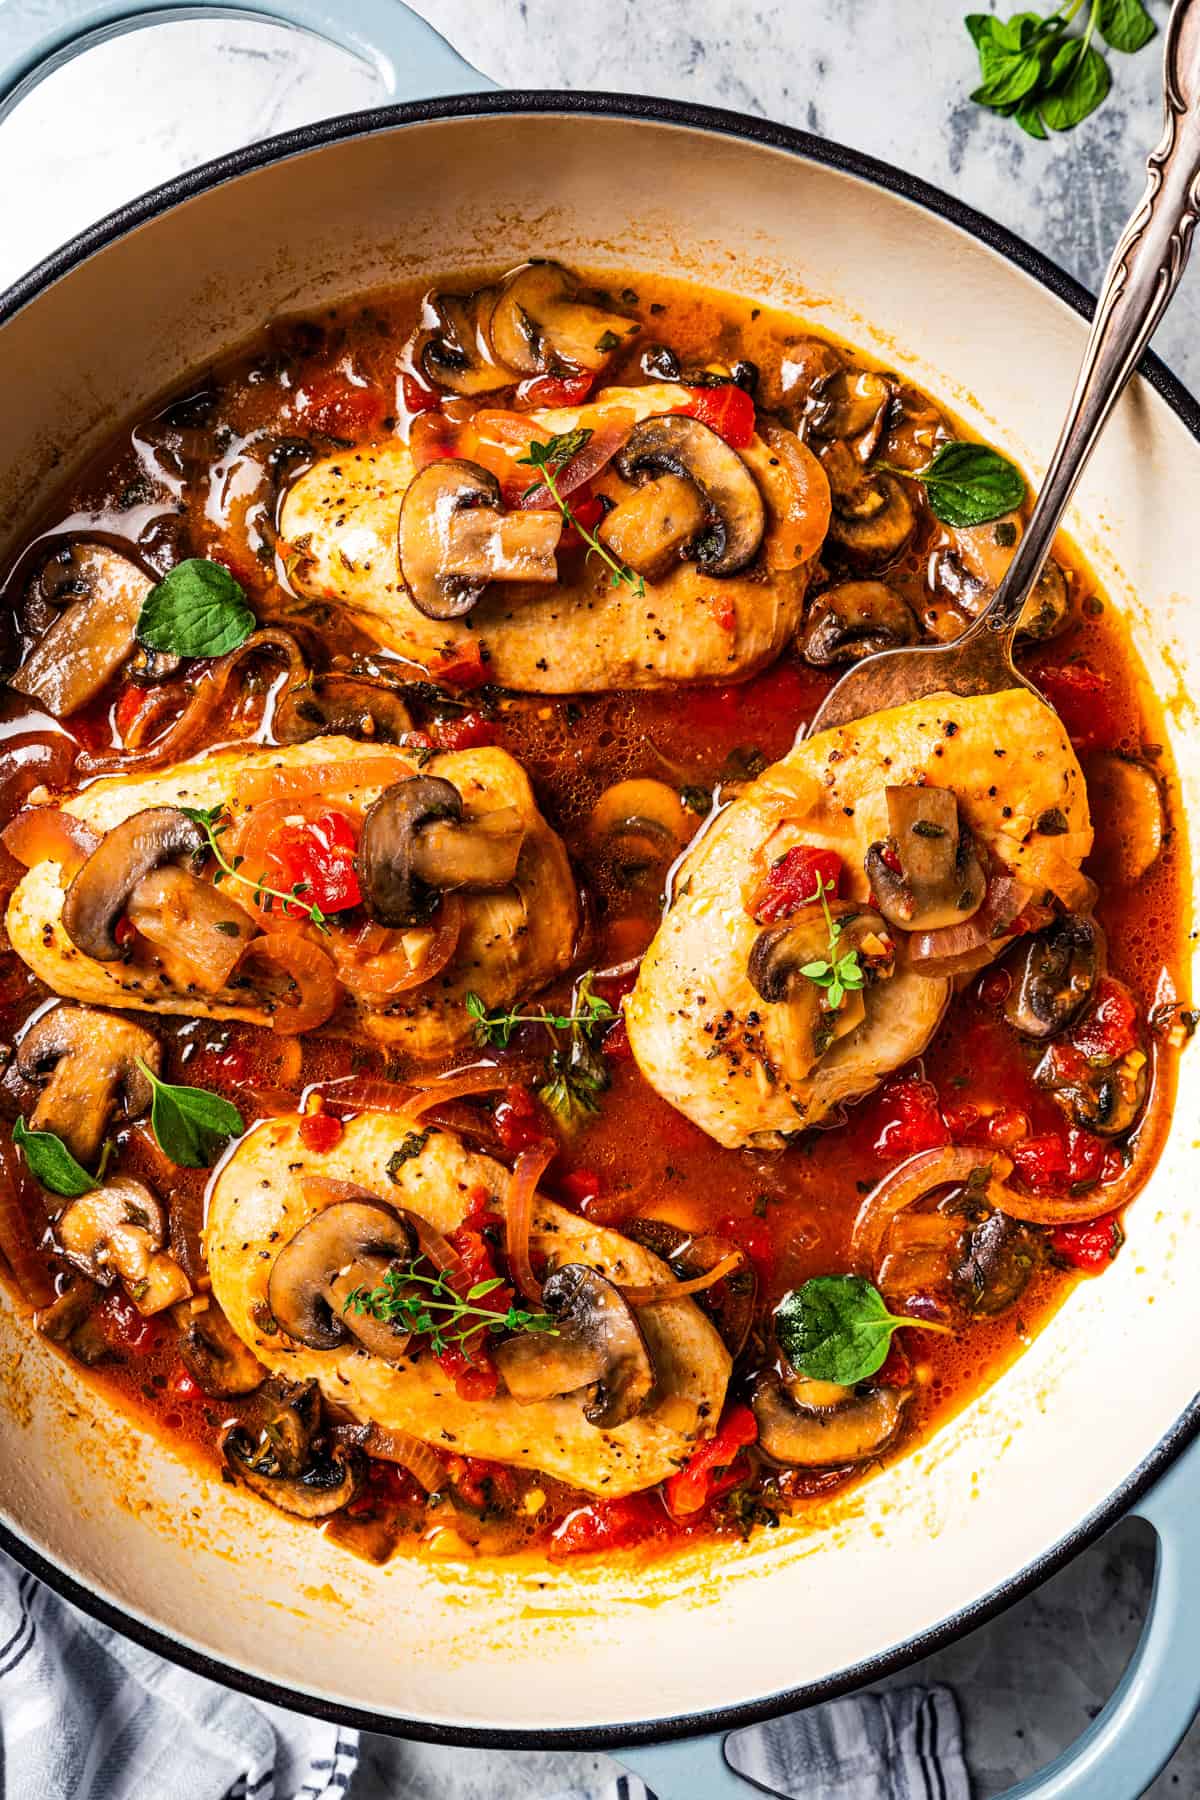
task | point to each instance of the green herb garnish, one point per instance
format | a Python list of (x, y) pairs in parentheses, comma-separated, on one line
[(838, 1328), (52, 1163), (968, 484), (190, 1124), (495, 1029), (550, 459), (577, 1072), (838, 974), (197, 609), (410, 1148), (1039, 73), (214, 821), (449, 1318)]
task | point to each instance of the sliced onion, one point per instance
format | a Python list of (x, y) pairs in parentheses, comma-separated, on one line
[(421, 1460), (434, 1247), (347, 776), (309, 970), (483, 1078), (367, 1093), (25, 1261), (47, 834), (327, 1190), (596, 454), (678, 1290), (528, 1170), (958, 949), (291, 1062), (1044, 865), (909, 1182), (382, 973), (803, 527), (207, 695)]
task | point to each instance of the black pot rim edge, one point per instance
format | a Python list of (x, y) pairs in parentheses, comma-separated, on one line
[(1065, 287)]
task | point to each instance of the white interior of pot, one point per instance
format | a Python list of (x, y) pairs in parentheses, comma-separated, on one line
[(492, 1646)]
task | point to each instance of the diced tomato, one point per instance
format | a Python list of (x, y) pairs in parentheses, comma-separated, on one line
[(482, 1484), (1007, 1126), (340, 408), (471, 731), (616, 1043), (125, 1329), (317, 855), (417, 397), (692, 1488), (470, 1365), (728, 410), (133, 699), (465, 668), (1082, 698), (587, 510), (795, 880), (182, 1388), (1041, 1162), (475, 1377), (753, 1237), (1108, 1028), (1090, 1246), (519, 1121), (580, 1186), (608, 1525), (552, 390), (963, 1121), (723, 612), (910, 1119), (319, 1132)]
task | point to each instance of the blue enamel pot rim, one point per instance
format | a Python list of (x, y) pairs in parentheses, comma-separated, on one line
[(720, 122)]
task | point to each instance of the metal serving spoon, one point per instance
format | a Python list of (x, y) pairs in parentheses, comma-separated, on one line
[(1141, 280)]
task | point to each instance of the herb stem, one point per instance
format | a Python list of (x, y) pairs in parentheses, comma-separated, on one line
[(206, 822)]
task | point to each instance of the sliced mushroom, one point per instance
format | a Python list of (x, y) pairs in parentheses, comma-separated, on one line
[(673, 444), (416, 845), (817, 1425), (344, 1250), (641, 824), (358, 706), (67, 1312), (969, 563), (456, 354), (92, 1060), (780, 954), (1104, 1098), (328, 1478), (926, 873), (198, 930), (87, 643), (119, 1229), (1053, 975), (216, 1358), (290, 1414), (653, 529), (877, 527), (541, 325), (855, 619), (792, 370), (598, 1346), (996, 1260), (1129, 816), (852, 403), (99, 894), (455, 539), (730, 1304)]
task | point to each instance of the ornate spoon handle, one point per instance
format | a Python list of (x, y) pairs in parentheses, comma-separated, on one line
[(1144, 272)]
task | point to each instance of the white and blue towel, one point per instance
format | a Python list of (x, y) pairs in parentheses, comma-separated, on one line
[(87, 1715)]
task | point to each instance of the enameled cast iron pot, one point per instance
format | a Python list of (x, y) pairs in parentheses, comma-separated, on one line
[(1095, 1419)]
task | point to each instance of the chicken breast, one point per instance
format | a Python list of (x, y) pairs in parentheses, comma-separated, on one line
[(513, 941), (702, 1034), (340, 525), (258, 1205)]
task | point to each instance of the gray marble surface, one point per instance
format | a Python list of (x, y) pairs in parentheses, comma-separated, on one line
[(884, 76)]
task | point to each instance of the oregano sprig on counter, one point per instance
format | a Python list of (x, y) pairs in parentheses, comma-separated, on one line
[(1042, 75)]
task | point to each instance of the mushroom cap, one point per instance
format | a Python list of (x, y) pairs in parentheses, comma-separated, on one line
[(344, 1247), (358, 706), (1053, 973), (393, 893), (540, 324), (456, 354), (817, 1425), (779, 952), (599, 1346), (940, 880), (92, 1057), (100, 891), (855, 619), (329, 1482), (879, 526), (673, 443), (216, 1358), (436, 494), (996, 1258), (112, 1230)]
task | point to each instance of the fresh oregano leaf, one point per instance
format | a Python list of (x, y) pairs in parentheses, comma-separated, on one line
[(51, 1162), (190, 1124), (838, 1328), (968, 484), (1125, 25), (1081, 80), (197, 609)]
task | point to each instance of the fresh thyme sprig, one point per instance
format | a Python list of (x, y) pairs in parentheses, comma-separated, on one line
[(439, 1308), (837, 974), (577, 1072), (214, 821), (550, 459)]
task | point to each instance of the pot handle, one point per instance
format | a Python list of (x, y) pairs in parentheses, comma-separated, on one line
[(1125, 1746), (412, 60)]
